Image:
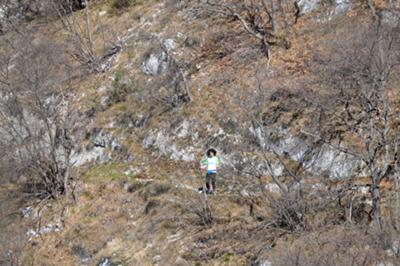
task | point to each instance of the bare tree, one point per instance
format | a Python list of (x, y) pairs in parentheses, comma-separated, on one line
[(261, 19), (170, 87), (37, 113), (359, 115), (261, 158), (81, 34)]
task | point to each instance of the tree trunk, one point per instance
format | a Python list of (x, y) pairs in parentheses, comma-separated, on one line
[(271, 13), (88, 26), (274, 26), (376, 209), (371, 6), (66, 183), (282, 6)]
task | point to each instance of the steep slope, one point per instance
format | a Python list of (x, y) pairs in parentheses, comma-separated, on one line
[(181, 81)]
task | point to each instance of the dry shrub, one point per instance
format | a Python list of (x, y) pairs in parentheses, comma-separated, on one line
[(339, 246), (122, 4), (198, 206), (154, 190), (122, 87), (297, 212)]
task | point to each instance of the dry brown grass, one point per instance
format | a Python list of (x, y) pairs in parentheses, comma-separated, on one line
[(156, 218)]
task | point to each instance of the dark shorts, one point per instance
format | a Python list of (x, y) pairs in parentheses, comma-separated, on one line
[(211, 177)]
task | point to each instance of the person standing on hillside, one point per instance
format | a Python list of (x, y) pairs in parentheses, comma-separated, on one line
[(211, 164)]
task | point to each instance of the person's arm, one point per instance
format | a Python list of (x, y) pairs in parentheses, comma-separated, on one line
[(203, 164)]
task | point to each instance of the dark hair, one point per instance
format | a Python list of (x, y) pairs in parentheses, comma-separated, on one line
[(211, 151)]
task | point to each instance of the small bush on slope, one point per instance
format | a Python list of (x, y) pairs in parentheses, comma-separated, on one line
[(122, 4)]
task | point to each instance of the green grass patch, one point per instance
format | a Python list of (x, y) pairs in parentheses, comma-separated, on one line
[(122, 87), (227, 256), (7, 186), (88, 195), (107, 172)]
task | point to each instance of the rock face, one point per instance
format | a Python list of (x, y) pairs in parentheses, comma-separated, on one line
[(265, 263), (81, 253), (183, 143), (390, 18), (156, 64), (336, 164), (27, 211), (33, 234), (322, 160), (129, 120), (2, 12), (342, 5), (164, 144), (88, 155), (307, 6), (102, 146), (169, 44)]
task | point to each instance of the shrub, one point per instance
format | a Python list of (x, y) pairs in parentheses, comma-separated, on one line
[(122, 4), (155, 190), (121, 87), (198, 206)]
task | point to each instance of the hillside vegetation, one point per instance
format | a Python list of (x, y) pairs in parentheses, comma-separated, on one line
[(107, 108)]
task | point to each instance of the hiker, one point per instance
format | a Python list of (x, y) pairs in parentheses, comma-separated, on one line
[(211, 164)]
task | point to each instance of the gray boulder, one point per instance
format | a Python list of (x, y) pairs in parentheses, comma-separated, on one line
[(156, 64), (307, 6)]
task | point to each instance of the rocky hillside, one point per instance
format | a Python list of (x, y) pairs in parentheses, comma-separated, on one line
[(100, 160)]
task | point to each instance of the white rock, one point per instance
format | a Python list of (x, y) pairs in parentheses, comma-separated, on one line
[(155, 64), (277, 169), (102, 89), (295, 147), (384, 264), (105, 262), (368, 202), (132, 171), (104, 100), (157, 258), (88, 156), (2, 12), (259, 134), (390, 18), (151, 65), (165, 146), (363, 189), (180, 35), (169, 44), (173, 238), (244, 193), (26, 212), (183, 130), (342, 6), (318, 187), (307, 6), (31, 233), (266, 263), (47, 229), (273, 188), (396, 247)]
